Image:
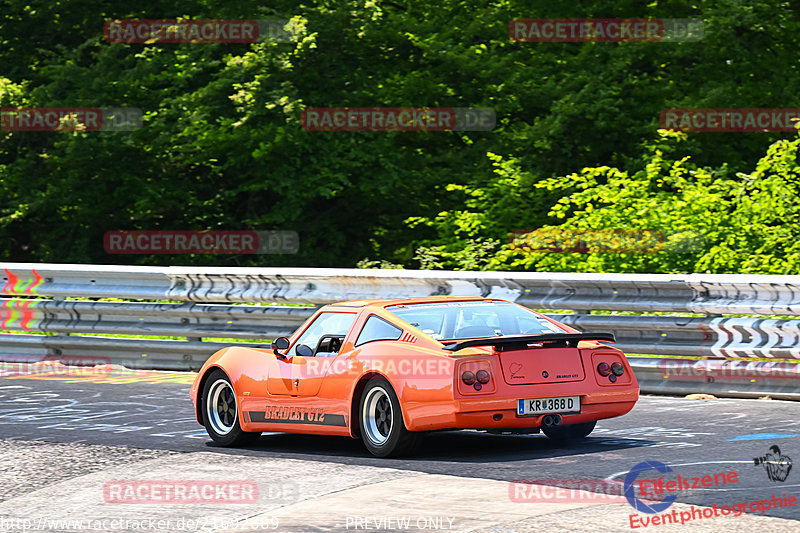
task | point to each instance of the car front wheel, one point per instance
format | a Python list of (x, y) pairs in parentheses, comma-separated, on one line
[(381, 421), (220, 412)]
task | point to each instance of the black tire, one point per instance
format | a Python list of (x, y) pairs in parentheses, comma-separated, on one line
[(220, 412), (380, 420), (570, 432)]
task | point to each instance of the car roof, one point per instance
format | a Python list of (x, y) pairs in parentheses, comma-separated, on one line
[(385, 302)]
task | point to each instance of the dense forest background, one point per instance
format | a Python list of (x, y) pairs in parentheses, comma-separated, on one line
[(577, 143)]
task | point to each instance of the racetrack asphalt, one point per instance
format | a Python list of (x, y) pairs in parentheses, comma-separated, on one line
[(65, 437)]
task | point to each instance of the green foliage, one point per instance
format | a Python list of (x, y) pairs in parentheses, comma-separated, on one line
[(763, 232), (713, 221)]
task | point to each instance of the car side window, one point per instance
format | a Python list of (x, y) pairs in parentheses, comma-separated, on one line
[(378, 329), (328, 323)]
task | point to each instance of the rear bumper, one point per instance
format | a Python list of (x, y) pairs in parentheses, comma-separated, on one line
[(507, 418), (496, 413)]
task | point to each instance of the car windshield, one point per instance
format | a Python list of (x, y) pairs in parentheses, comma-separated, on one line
[(469, 320)]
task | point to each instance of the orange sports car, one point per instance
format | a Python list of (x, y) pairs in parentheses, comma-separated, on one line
[(387, 370)]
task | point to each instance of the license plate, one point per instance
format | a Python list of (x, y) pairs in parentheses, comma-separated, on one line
[(541, 406)]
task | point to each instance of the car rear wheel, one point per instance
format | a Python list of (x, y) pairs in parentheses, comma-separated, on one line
[(381, 421), (569, 432), (221, 414)]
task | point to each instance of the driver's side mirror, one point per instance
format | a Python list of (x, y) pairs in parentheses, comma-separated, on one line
[(304, 351), (281, 343)]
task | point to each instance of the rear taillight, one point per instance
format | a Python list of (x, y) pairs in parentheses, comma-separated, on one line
[(476, 376), (611, 371)]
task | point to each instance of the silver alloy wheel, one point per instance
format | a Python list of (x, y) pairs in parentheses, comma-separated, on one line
[(221, 407), (377, 416)]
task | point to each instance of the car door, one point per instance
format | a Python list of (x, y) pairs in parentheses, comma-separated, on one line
[(302, 376)]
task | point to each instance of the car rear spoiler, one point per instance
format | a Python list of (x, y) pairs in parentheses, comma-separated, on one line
[(521, 342)]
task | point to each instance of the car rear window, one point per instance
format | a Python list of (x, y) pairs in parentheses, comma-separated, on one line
[(470, 320)]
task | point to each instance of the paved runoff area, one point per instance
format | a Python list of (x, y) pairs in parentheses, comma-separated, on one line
[(120, 451)]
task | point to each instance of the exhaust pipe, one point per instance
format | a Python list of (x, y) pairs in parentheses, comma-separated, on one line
[(551, 420)]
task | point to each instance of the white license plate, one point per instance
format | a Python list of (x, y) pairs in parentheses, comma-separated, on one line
[(541, 406)]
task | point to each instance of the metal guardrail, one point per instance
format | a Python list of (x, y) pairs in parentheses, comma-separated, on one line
[(152, 319), (694, 293), (207, 295), (153, 354), (696, 336), (60, 319), (661, 335), (736, 379)]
